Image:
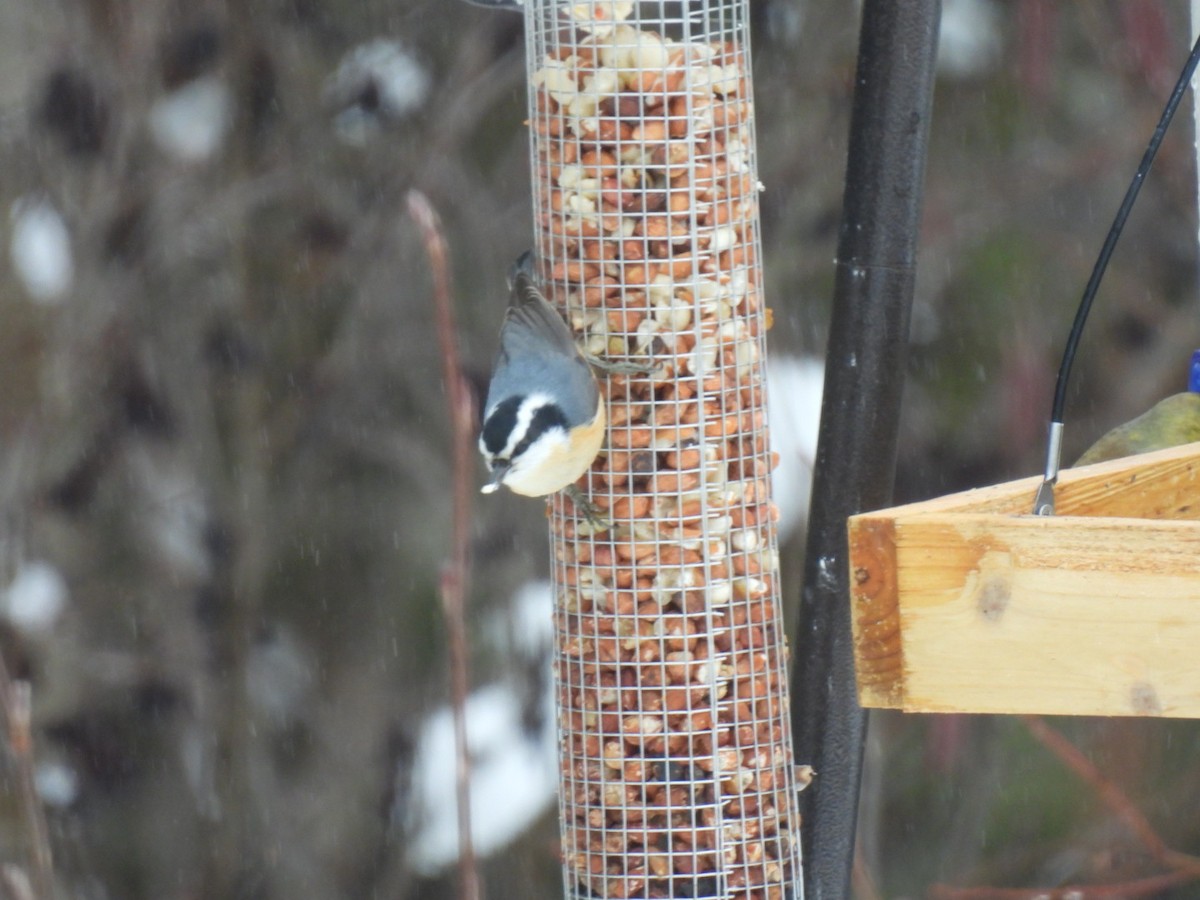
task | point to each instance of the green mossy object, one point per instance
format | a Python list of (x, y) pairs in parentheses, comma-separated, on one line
[(1169, 423)]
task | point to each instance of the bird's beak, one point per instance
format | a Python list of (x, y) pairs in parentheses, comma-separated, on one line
[(499, 470)]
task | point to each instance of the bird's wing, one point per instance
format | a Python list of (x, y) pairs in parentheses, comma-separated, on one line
[(530, 315), (538, 348)]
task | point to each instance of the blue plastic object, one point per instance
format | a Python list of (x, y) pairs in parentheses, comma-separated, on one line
[(1194, 373)]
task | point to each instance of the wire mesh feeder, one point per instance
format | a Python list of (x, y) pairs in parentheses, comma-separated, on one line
[(676, 760)]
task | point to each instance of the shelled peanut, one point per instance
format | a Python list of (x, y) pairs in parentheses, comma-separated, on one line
[(676, 757)]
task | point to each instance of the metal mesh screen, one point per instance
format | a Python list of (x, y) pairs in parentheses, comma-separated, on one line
[(676, 760)]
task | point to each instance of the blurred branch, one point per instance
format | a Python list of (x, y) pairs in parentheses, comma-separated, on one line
[(1185, 867), (1112, 796), (16, 883), (861, 882), (243, 462), (16, 701), (455, 569), (1125, 890)]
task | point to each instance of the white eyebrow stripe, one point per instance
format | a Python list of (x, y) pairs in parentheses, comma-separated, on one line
[(525, 413)]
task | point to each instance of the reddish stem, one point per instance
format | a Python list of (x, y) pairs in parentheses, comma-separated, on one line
[(16, 704), (453, 583), (1141, 887), (1185, 868), (1111, 795)]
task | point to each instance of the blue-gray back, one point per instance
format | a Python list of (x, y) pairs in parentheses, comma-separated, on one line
[(538, 352)]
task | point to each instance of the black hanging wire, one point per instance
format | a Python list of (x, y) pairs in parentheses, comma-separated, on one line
[(1044, 502)]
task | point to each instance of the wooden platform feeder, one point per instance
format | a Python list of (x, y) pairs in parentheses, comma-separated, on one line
[(969, 603)]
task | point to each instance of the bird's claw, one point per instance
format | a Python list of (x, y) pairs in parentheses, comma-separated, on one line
[(593, 513), (619, 368)]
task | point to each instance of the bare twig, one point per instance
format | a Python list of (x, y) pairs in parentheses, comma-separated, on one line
[(861, 882), (1125, 890), (16, 883), (454, 571), (16, 703), (1112, 796), (1185, 868)]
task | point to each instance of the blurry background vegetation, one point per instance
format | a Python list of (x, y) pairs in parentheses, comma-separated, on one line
[(223, 450)]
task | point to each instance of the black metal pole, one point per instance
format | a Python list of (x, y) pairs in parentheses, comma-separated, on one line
[(864, 378)]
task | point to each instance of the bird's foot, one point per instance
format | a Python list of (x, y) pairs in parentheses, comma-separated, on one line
[(593, 513), (619, 368)]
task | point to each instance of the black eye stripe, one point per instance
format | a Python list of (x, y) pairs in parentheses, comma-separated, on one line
[(544, 419), (500, 423)]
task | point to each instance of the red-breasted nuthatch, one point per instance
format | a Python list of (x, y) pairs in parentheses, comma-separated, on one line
[(544, 418)]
